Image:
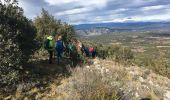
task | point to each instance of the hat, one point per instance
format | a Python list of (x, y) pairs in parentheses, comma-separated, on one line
[(49, 37)]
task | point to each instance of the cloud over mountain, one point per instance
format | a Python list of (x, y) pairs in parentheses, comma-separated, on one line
[(94, 11)]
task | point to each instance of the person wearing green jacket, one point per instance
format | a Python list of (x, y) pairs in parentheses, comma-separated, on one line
[(50, 47)]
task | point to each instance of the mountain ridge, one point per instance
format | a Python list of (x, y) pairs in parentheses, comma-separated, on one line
[(106, 28), (120, 25)]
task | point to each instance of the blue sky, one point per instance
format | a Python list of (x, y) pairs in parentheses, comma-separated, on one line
[(98, 11)]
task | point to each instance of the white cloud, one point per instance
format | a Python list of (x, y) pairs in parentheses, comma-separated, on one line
[(73, 11), (93, 3), (158, 17), (94, 11), (153, 7), (60, 2)]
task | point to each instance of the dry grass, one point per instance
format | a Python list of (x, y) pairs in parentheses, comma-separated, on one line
[(163, 46), (104, 80), (93, 82)]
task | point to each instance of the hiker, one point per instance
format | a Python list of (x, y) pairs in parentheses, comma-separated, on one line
[(73, 54), (86, 50), (91, 51), (70, 48), (78, 46), (59, 48), (49, 45), (94, 53)]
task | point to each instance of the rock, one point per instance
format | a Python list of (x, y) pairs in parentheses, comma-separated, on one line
[(141, 79), (167, 95), (88, 67), (8, 98), (136, 95), (150, 82), (107, 70)]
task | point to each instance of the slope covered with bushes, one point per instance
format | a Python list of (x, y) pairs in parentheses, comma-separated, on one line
[(25, 73), (17, 42)]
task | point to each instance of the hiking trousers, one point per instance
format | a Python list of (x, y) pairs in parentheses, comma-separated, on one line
[(50, 56), (59, 55)]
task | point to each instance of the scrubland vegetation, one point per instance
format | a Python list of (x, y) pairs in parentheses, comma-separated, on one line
[(124, 69), (21, 39), (145, 49)]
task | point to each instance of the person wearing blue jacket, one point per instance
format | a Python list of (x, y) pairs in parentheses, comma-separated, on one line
[(59, 48)]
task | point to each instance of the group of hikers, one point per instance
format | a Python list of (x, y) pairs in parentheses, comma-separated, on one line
[(74, 49)]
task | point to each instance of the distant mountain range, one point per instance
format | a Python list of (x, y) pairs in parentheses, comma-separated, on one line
[(130, 25), (105, 28)]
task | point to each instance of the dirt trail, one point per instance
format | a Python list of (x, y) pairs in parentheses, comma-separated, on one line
[(44, 78)]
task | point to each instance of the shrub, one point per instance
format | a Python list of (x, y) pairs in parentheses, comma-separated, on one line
[(17, 41), (94, 83), (159, 65), (119, 54), (124, 55), (46, 24)]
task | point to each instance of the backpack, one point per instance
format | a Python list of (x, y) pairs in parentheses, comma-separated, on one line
[(70, 47), (59, 45), (48, 44), (90, 49)]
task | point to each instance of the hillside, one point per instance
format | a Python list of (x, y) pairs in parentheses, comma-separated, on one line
[(127, 82), (103, 79), (44, 59), (93, 32)]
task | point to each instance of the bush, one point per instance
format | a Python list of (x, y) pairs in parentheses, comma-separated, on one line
[(94, 83), (119, 54), (159, 65), (124, 55), (17, 41), (46, 24)]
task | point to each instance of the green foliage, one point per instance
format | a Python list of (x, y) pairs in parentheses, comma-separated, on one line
[(68, 33), (46, 24), (146, 47), (159, 65), (17, 41), (124, 55), (119, 54)]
